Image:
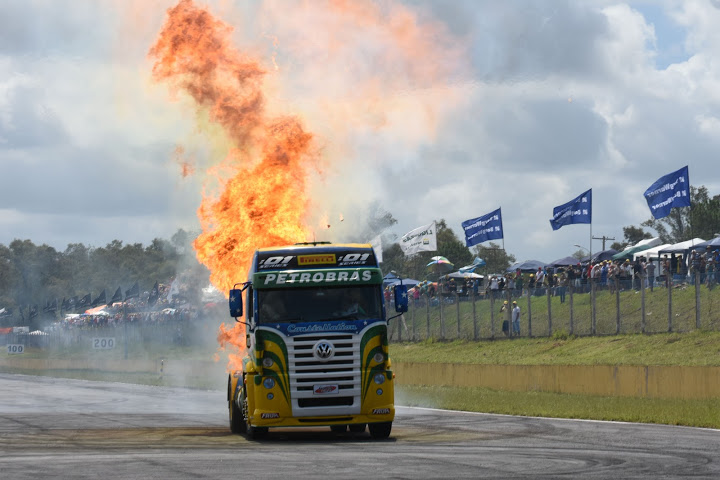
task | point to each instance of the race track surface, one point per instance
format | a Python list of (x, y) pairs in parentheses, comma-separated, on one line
[(73, 429)]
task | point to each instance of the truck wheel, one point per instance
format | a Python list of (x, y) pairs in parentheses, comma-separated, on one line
[(237, 422), (357, 428), (338, 428), (380, 430)]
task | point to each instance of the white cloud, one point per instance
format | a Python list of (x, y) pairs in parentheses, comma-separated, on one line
[(500, 105)]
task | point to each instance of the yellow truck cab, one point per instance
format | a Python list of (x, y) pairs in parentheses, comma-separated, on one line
[(317, 345)]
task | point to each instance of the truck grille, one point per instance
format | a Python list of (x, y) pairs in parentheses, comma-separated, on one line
[(341, 371)]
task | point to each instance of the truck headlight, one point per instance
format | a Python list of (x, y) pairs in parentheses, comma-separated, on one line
[(268, 382), (379, 357), (379, 378), (267, 362)]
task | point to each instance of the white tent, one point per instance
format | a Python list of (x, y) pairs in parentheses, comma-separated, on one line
[(651, 252), (681, 247)]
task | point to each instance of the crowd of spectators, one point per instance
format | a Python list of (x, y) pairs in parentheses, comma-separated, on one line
[(609, 275)]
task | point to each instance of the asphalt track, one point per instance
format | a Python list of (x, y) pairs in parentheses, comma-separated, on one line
[(74, 429)]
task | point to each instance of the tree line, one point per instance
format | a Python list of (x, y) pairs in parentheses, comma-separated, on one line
[(32, 275), (701, 220)]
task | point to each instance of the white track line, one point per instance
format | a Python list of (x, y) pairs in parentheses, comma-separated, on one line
[(558, 418)]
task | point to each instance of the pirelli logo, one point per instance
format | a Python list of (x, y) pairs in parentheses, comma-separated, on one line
[(323, 259)]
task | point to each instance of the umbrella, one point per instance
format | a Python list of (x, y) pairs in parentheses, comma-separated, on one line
[(440, 265), (389, 278), (600, 256), (464, 275), (406, 281), (526, 266), (564, 262), (478, 262)]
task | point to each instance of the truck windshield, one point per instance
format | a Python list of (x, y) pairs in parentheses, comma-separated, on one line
[(314, 304)]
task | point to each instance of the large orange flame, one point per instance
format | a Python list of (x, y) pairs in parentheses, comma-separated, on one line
[(264, 203)]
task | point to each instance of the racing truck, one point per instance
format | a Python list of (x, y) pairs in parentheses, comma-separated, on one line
[(317, 341)]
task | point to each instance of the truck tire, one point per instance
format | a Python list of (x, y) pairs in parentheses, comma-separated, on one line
[(237, 422), (380, 430), (357, 427)]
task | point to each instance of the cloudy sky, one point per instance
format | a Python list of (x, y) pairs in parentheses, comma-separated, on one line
[(434, 109)]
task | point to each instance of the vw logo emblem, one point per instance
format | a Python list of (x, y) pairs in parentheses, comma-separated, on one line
[(323, 350)]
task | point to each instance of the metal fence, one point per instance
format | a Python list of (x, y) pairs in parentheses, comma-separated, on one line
[(585, 309)]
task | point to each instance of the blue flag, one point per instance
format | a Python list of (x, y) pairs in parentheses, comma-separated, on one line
[(577, 210), (482, 229), (672, 190)]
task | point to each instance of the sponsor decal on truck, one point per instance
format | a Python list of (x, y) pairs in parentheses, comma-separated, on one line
[(325, 389)]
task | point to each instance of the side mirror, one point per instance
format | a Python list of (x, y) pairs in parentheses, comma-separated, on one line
[(401, 298), (236, 303)]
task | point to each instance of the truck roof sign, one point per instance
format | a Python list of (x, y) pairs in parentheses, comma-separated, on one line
[(312, 258)]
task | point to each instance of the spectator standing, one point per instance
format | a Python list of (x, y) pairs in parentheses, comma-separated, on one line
[(562, 285), (695, 265), (516, 319), (637, 273), (650, 272), (494, 286), (611, 276), (539, 280), (519, 282)]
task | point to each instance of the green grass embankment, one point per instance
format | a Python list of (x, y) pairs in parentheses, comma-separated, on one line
[(542, 321), (697, 348)]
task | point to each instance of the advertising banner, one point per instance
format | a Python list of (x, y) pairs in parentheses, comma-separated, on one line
[(577, 210), (672, 190), (482, 229)]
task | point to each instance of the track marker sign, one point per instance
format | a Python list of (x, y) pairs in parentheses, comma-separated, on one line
[(103, 343), (15, 349)]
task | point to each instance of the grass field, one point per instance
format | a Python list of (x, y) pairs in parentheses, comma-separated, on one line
[(692, 349), (696, 413), (456, 321)]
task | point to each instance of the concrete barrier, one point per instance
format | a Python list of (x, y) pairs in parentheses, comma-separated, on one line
[(603, 380)]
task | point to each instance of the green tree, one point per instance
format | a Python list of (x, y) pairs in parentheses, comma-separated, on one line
[(497, 260), (394, 260), (702, 219), (632, 235)]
